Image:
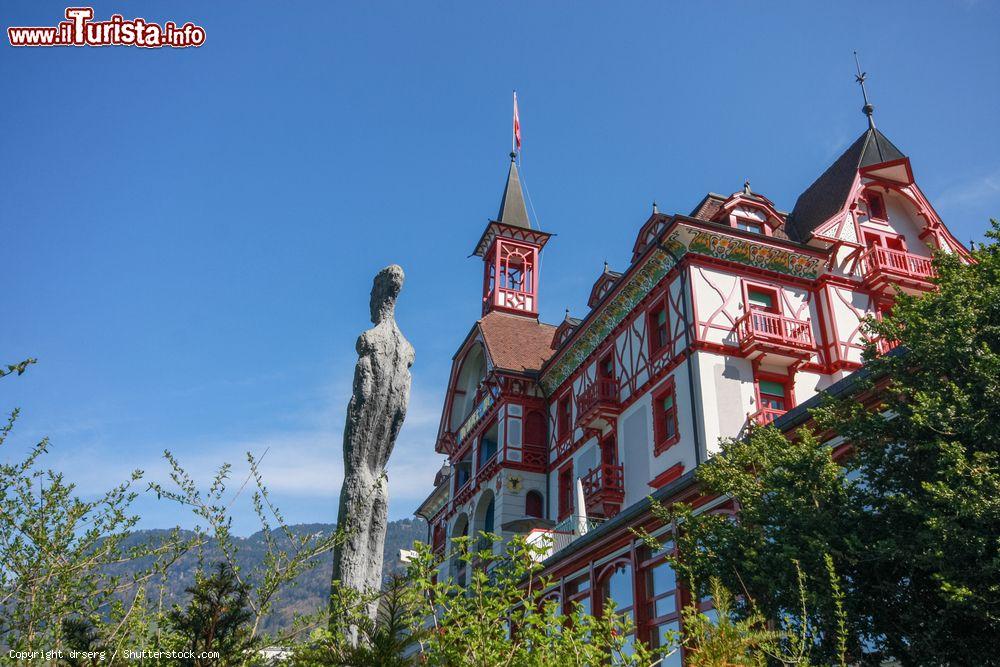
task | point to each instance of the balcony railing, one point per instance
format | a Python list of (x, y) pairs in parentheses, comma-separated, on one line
[(598, 400), (606, 479), (765, 416), (878, 261), (758, 326), (478, 413)]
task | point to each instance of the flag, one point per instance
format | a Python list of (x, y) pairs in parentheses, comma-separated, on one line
[(517, 126)]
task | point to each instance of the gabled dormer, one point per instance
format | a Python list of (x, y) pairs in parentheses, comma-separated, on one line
[(649, 232), (565, 330), (603, 285), (869, 192), (751, 212)]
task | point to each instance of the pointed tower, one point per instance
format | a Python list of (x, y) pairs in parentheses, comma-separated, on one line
[(510, 249)]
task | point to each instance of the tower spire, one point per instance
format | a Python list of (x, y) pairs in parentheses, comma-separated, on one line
[(868, 109), (512, 208)]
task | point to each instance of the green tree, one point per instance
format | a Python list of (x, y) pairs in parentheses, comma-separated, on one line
[(503, 618), (217, 619), (910, 522)]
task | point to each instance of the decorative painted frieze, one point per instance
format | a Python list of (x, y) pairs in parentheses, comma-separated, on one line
[(682, 240)]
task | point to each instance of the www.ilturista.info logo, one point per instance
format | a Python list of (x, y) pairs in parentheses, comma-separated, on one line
[(80, 30)]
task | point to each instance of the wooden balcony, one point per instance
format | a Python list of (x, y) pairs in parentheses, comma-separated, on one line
[(765, 416), (783, 340), (598, 404), (604, 489), (882, 267)]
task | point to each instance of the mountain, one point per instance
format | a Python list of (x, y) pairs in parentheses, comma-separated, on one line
[(307, 594)]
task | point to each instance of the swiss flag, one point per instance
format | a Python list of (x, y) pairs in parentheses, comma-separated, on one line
[(517, 126)]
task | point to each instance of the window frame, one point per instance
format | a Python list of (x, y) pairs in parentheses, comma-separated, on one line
[(754, 286), (564, 496), (787, 381), (871, 196), (660, 304), (765, 229), (647, 562), (661, 441), (564, 430)]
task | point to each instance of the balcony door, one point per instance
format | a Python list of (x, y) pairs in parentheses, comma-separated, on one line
[(609, 450)]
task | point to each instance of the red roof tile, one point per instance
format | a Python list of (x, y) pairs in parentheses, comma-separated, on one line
[(515, 342)]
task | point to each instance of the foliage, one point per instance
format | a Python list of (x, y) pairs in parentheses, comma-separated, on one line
[(382, 642), (74, 576), (56, 550), (217, 619), (928, 468), (502, 617), (910, 521)]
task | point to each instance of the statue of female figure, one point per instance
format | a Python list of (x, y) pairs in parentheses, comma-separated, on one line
[(374, 417)]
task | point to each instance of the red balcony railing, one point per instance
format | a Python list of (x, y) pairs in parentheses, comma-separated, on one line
[(606, 481), (765, 416), (600, 397), (878, 261), (758, 326)]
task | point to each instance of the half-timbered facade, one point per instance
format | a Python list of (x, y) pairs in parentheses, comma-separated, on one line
[(725, 317)]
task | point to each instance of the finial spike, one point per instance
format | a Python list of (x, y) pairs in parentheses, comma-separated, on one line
[(868, 109)]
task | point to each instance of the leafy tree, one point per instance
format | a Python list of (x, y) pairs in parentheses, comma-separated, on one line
[(217, 619), (910, 521), (503, 618)]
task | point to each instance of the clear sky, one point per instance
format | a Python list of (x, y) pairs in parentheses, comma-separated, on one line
[(189, 236)]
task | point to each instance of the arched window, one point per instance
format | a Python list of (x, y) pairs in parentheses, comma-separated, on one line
[(534, 504), (488, 518), (459, 566), (616, 586)]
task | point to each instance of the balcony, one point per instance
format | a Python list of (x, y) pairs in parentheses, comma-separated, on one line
[(604, 489), (598, 404), (553, 540), (881, 267), (783, 340), (765, 416)]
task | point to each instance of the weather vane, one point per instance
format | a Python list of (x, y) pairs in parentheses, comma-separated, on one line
[(868, 109)]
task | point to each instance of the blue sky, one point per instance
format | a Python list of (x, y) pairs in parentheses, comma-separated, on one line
[(189, 235)]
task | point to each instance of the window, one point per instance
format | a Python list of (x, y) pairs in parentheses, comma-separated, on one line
[(577, 592), (759, 298), (566, 491), (534, 504), (772, 394), (488, 446), (876, 206), (463, 470), (657, 328), (665, 417), (534, 429), (749, 226), (565, 416), (606, 367), (616, 586), (662, 601), (889, 241)]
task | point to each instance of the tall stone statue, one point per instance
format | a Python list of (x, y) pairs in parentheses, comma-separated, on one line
[(374, 417)]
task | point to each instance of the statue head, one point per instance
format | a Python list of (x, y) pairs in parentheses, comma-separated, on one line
[(385, 288)]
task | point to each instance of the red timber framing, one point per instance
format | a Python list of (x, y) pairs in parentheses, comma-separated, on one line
[(504, 391)]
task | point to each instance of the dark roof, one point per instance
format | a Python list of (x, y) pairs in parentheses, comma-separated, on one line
[(829, 192), (512, 209), (516, 342)]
